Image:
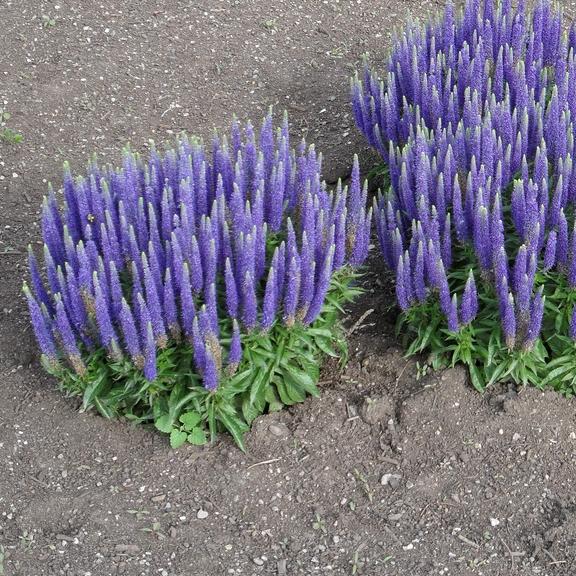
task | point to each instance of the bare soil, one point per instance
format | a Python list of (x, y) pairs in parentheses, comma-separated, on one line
[(390, 472)]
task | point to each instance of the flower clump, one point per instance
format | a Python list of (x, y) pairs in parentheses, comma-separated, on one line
[(198, 247), (475, 122)]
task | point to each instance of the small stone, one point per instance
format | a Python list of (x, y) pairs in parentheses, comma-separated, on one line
[(336, 539), (279, 429), (159, 498), (392, 480), (281, 566), (258, 561), (377, 409), (64, 473), (201, 514), (516, 437), (494, 522), (408, 547), (127, 548), (64, 537), (464, 457)]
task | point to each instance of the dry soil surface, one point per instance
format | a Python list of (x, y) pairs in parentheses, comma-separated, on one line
[(387, 473)]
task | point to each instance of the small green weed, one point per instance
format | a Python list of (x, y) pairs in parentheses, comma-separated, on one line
[(7, 134)]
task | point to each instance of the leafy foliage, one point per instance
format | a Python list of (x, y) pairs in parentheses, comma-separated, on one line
[(279, 368)]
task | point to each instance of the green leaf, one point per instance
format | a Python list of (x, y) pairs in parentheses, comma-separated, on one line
[(271, 397), (177, 438), (251, 410), (552, 375), (164, 423), (103, 408), (477, 380), (190, 419), (285, 397), (325, 345), (92, 391), (235, 426), (302, 379), (197, 437), (212, 421)]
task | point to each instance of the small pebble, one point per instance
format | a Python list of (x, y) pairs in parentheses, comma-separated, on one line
[(127, 548), (280, 430), (202, 514), (392, 480)]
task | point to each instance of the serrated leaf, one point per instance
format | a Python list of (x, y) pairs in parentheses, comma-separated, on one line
[(92, 391), (177, 438), (190, 419), (325, 345), (164, 423), (251, 410), (258, 385), (197, 437), (271, 397), (302, 379), (281, 388), (477, 380), (235, 426)]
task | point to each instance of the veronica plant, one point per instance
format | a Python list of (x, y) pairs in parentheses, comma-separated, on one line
[(475, 123), (199, 287)]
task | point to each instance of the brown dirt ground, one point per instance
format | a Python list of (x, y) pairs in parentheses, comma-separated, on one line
[(386, 474)]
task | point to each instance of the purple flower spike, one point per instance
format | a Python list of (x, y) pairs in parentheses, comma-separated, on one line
[(452, 314), (154, 306), (469, 304), (291, 292), (130, 333), (402, 293), (482, 242), (66, 332), (198, 347), (235, 353), (210, 376), (269, 307), (150, 371), (322, 287), (170, 308), (520, 267), (249, 302), (41, 330), (419, 274), (231, 291), (187, 307), (550, 251), (535, 322), (106, 331), (509, 322)]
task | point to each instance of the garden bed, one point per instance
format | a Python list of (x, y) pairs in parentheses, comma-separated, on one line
[(391, 471)]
